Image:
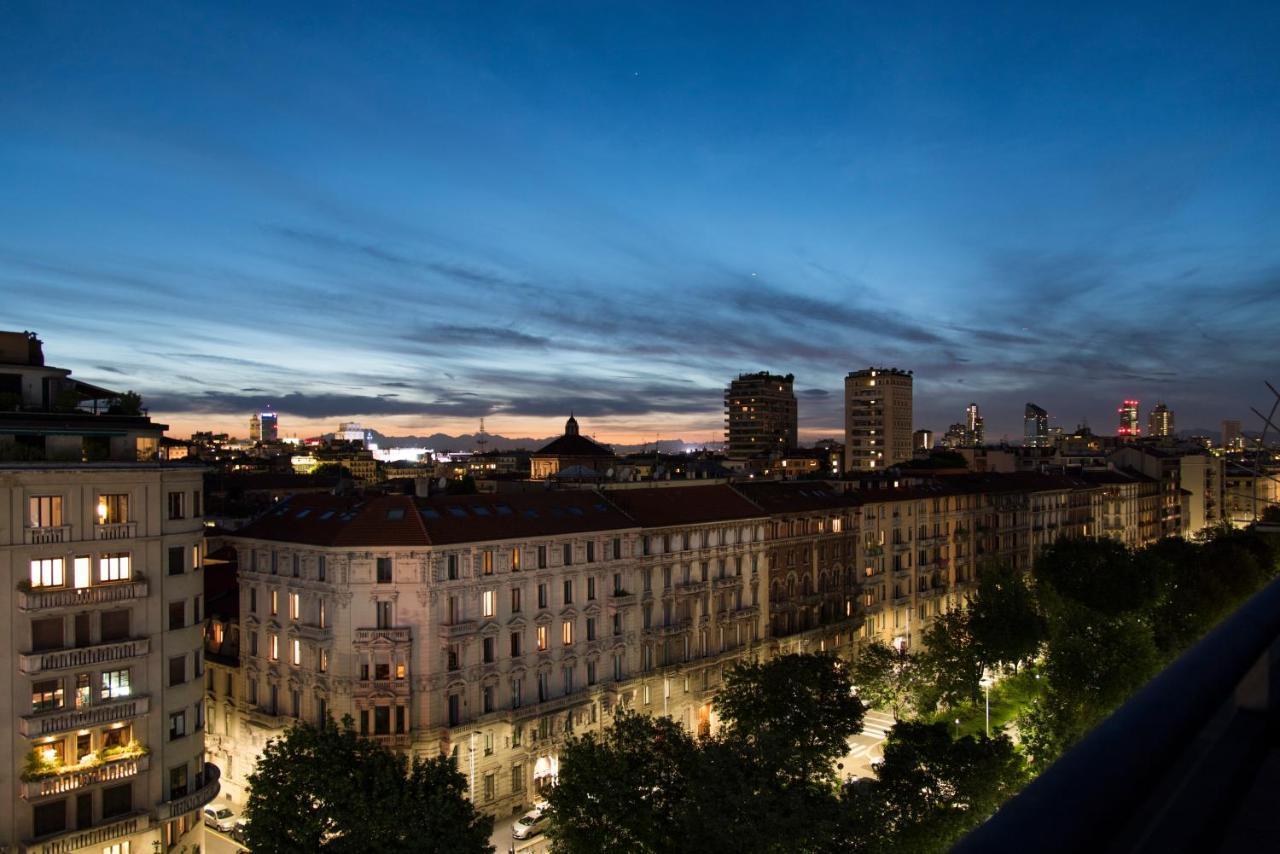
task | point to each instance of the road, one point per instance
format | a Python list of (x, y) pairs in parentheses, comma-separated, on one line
[(868, 746), (503, 842), (219, 843)]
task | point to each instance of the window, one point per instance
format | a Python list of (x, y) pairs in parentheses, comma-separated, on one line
[(455, 709), (47, 696), (591, 628), (617, 667), (517, 697), (295, 606), (115, 625), (486, 562), (591, 552), (617, 624), (591, 672), (274, 646), (383, 613), (295, 703), (542, 557), (515, 644), (515, 600), (452, 658), (115, 684), (297, 566), (490, 787), (114, 567), (591, 588), (48, 572), (489, 654), (296, 656), (517, 772), (488, 603), (195, 503), (568, 592), (566, 632), (50, 818), (177, 615), (275, 602), (544, 689), (515, 560), (176, 563), (117, 800), (384, 570), (113, 509), (44, 511), (322, 661), (322, 613), (177, 725), (275, 563), (177, 505), (177, 670), (320, 568), (178, 781), (568, 554), (617, 548), (617, 584), (487, 706), (253, 643), (451, 563), (542, 638), (253, 600), (542, 595), (195, 609), (566, 675)]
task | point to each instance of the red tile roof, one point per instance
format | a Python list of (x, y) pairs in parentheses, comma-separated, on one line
[(659, 507)]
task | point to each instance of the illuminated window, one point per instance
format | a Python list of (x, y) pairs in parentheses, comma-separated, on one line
[(112, 509), (566, 632), (297, 653), (488, 599), (515, 560), (275, 647), (295, 606), (486, 562), (113, 567), (542, 637), (275, 602), (48, 572), (44, 511)]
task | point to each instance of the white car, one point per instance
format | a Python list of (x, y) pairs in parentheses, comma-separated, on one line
[(220, 818), (528, 824)]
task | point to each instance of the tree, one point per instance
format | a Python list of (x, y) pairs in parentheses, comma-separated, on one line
[(885, 677), (951, 665), (931, 789), (332, 470), (1004, 620), (796, 712), (129, 403), (628, 788), (327, 789), (1098, 574)]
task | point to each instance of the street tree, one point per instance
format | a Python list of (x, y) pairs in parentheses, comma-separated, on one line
[(795, 711), (1099, 574), (1004, 619), (327, 789), (951, 664), (885, 677)]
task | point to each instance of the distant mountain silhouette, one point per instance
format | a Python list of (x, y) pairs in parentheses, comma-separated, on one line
[(495, 442)]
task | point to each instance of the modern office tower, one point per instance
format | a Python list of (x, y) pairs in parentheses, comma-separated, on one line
[(255, 428), (102, 697), (1232, 438), (760, 416), (1129, 426), (1035, 427), (922, 441), (877, 418), (973, 424), (1160, 421), (270, 427)]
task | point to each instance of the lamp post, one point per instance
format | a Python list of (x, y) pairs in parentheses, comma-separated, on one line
[(985, 682)]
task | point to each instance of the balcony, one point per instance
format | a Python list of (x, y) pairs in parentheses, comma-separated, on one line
[(48, 534), (726, 582), (462, 629), (52, 723), (266, 719), (671, 629), (85, 656), (402, 634), (75, 840), (108, 772), (316, 634), (621, 599), (78, 597), (115, 531), (1189, 763), (179, 807), (686, 588)]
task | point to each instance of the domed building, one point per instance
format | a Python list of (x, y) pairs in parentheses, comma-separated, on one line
[(572, 450)]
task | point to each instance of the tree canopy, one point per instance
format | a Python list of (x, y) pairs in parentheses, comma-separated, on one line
[(885, 677), (327, 789)]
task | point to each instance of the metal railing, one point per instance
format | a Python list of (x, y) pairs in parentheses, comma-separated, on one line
[(1169, 769), (75, 597)]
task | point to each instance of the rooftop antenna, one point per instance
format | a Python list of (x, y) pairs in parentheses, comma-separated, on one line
[(481, 439)]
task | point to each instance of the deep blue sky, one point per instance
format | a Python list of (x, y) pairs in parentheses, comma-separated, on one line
[(419, 214)]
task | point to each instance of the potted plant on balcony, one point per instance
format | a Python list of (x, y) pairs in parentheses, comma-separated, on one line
[(39, 766)]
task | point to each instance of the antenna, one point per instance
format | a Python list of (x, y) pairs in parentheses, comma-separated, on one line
[(481, 439)]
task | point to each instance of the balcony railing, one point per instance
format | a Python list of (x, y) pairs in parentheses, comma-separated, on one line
[(76, 597), (1185, 765), (85, 656), (51, 723), (115, 531), (201, 796), (75, 840), (107, 772), (460, 629), (402, 634), (48, 534)]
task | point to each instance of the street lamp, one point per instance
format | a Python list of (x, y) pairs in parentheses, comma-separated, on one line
[(986, 682)]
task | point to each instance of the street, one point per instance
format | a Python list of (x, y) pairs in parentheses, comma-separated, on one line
[(503, 842), (866, 747), (219, 843)]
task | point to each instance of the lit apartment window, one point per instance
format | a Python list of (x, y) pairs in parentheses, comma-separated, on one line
[(275, 602), (297, 653), (114, 567), (48, 572), (486, 562), (113, 509), (323, 614), (177, 725), (488, 602), (515, 560), (323, 661), (542, 638), (177, 505), (566, 632), (47, 696), (295, 606), (44, 511), (275, 646)]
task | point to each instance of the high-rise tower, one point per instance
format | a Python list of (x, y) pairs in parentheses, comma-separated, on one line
[(760, 416), (1035, 427), (1160, 421), (1129, 427), (877, 418)]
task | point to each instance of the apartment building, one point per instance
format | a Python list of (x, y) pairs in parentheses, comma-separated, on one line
[(877, 419), (760, 421), (102, 661)]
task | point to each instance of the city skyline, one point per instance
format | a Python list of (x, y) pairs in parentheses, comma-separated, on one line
[(417, 219)]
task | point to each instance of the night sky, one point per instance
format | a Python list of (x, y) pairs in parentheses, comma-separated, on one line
[(419, 214)]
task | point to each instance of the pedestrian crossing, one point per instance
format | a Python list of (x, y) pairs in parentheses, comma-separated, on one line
[(877, 724)]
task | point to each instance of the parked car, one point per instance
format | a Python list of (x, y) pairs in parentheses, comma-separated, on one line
[(220, 818), (530, 823)]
